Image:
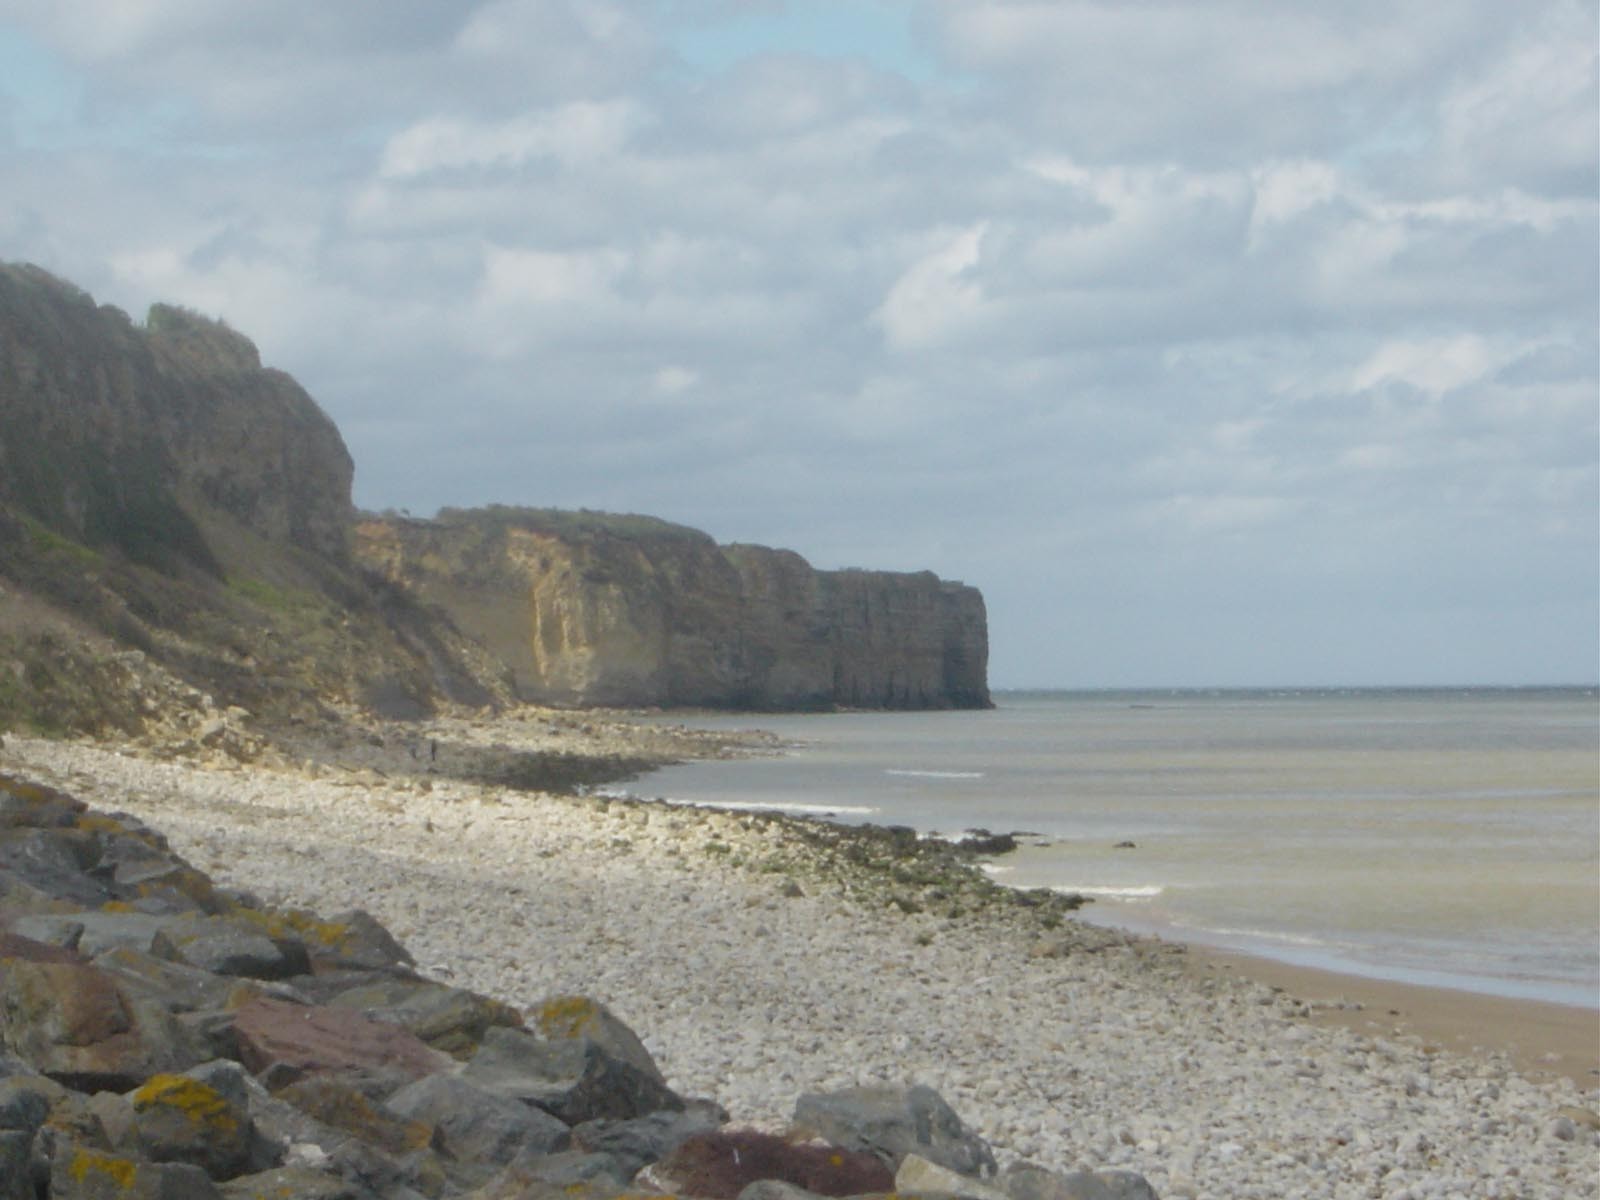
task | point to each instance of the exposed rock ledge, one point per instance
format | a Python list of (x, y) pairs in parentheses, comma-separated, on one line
[(593, 609)]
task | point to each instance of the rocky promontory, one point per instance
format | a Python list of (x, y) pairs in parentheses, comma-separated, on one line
[(601, 609)]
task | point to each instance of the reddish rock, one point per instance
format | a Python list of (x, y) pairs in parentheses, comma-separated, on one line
[(71, 1022), (295, 1040), (27, 949), (721, 1164)]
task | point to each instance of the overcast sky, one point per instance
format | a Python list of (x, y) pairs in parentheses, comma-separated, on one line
[(1219, 342)]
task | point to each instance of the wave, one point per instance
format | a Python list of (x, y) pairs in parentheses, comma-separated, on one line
[(854, 810), (909, 773), (1145, 891)]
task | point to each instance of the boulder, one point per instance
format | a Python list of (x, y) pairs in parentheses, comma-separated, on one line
[(342, 1106), (227, 946), (1024, 1181), (176, 986), (648, 1139), (56, 862), (472, 1124), (567, 1017), (355, 940), (16, 1165), (574, 1079), (84, 1173), (893, 1122), (449, 1019), (179, 1118), (24, 803), (285, 1041), (917, 1174), (722, 1164), (72, 1023), (298, 1183)]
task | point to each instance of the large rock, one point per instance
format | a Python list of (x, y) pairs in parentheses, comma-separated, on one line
[(1024, 1181), (72, 1022), (722, 1164), (589, 608), (283, 1041), (892, 1123), (574, 1079), (84, 1173), (474, 1124), (179, 1118), (643, 1140)]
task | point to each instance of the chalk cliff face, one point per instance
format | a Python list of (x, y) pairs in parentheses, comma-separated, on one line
[(588, 608)]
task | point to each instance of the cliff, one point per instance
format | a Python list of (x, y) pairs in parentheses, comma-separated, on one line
[(161, 491), (590, 608), (131, 437)]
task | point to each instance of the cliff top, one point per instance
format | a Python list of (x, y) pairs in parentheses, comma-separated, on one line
[(577, 525)]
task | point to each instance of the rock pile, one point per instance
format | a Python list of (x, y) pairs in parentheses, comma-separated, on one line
[(164, 1037)]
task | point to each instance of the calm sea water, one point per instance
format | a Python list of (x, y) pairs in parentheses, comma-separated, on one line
[(1446, 837)]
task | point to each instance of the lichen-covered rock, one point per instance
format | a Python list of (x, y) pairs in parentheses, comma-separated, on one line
[(84, 1173), (342, 1106), (476, 1125), (72, 1022), (182, 1119), (892, 1123), (293, 1183), (449, 1019), (574, 1079), (567, 1017), (643, 1140)]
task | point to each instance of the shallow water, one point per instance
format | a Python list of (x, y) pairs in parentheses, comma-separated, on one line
[(1448, 837)]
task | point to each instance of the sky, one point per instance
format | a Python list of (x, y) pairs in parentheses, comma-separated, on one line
[(1218, 343)]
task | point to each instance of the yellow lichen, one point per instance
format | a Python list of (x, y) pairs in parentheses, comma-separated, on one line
[(99, 823), (121, 1171), (200, 1104), (294, 923), (566, 1016)]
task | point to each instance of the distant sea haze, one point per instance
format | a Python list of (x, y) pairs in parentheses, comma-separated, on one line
[(1443, 836)]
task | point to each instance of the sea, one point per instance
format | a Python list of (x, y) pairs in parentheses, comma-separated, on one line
[(1448, 837)]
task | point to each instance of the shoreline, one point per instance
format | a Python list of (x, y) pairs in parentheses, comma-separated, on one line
[(760, 958), (1540, 1038)]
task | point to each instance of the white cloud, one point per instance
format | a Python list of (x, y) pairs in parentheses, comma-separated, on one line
[(675, 380), (573, 133), (1434, 365), (938, 294)]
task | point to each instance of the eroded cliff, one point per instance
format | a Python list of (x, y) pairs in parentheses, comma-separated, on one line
[(162, 492), (590, 608)]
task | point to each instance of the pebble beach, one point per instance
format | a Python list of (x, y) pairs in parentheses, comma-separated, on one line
[(753, 974)]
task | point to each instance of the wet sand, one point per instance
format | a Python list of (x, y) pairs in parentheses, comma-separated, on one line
[(1542, 1040)]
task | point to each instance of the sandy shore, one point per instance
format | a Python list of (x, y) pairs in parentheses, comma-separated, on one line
[(1541, 1040), (754, 974)]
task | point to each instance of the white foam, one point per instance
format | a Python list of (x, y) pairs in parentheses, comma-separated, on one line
[(910, 774), (853, 810), (1139, 892)]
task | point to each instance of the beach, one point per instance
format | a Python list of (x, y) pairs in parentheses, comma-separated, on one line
[(755, 971)]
